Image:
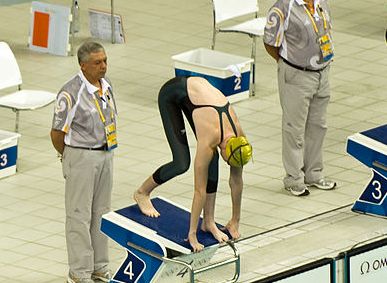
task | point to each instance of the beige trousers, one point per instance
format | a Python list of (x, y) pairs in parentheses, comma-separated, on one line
[(88, 183), (304, 98)]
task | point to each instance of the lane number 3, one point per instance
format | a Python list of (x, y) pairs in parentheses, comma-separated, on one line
[(378, 188), (3, 159)]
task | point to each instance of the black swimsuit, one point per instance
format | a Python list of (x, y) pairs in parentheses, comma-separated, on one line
[(220, 110), (173, 100)]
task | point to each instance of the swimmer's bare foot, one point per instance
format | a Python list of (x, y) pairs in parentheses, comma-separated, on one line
[(193, 241), (145, 204), (233, 229), (214, 230)]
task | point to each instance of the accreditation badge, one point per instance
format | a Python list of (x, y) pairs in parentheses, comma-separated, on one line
[(326, 47), (111, 136)]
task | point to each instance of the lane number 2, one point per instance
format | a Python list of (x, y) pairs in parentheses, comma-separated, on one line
[(237, 82)]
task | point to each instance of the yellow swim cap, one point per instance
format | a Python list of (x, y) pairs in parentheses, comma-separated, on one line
[(238, 151)]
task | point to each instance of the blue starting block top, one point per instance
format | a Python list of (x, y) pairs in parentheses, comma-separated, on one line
[(172, 224), (378, 134), (147, 239), (370, 148), (170, 228)]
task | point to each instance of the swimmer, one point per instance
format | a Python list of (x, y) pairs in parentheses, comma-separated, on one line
[(215, 126)]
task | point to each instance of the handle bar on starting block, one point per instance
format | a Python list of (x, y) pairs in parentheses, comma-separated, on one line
[(192, 271)]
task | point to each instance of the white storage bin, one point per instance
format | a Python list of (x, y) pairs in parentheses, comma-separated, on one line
[(229, 73), (8, 153)]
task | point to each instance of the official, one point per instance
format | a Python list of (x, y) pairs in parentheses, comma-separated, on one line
[(298, 36), (84, 134)]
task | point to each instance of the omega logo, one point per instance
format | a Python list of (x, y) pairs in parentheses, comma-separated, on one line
[(367, 267)]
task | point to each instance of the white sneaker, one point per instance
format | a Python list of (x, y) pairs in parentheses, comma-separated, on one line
[(299, 190), (104, 276), (72, 279), (323, 184)]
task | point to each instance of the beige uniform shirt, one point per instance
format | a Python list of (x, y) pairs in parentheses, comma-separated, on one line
[(77, 114), (290, 28)]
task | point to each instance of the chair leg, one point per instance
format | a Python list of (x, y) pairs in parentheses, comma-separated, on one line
[(72, 25), (253, 56), (112, 21), (16, 131), (17, 120), (213, 39)]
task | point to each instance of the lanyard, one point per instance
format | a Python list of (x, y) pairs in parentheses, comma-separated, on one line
[(312, 18), (99, 108)]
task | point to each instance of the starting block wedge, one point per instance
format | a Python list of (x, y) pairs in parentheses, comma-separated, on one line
[(370, 148), (156, 247)]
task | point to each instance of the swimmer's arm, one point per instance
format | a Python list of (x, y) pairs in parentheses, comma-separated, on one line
[(204, 154), (236, 186)]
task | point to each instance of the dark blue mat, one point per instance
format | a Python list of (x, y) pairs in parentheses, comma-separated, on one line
[(379, 134), (172, 224)]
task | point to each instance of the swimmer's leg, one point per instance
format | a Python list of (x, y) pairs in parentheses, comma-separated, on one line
[(142, 197)]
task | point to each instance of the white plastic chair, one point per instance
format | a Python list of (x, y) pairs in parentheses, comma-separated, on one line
[(10, 76), (225, 10)]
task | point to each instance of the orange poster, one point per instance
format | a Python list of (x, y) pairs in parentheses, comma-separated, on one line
[(41, 27)]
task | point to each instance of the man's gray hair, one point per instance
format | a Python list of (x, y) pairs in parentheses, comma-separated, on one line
[(86, 48)]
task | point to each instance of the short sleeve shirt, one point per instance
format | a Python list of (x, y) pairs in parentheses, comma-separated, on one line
[(77, 114), (290, 28)]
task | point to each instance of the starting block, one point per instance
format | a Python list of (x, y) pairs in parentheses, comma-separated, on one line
[(156, 247), (370, 148)]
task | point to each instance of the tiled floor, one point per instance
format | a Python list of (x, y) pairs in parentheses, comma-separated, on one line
[(279, 230)]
